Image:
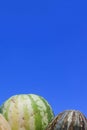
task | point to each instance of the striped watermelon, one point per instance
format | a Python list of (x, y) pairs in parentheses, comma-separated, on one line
[(27, 112), (4, 125), (68, 120)]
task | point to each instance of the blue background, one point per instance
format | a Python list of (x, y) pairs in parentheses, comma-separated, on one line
[(43, 50)]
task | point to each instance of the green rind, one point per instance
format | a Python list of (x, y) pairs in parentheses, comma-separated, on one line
[(5, 114), (48, 110), (38, 122)]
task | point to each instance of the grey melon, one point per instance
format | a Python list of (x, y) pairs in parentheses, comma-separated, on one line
[(69, 120)]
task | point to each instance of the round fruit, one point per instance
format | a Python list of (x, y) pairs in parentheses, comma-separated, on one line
[(69, 120), (27, 112), (4, 125)]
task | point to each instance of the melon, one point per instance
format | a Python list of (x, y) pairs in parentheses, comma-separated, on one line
[(68, 120), (4, 125), (27, 112)]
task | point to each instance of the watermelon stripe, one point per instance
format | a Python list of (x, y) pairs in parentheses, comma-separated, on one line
[(48, 110), (26, 115), (30, 112), (6, 108), (38, 122), (43, 111), (20, 111)]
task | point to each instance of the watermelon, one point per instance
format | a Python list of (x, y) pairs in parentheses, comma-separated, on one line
[(4, 125), (68, 120), (27, 112)]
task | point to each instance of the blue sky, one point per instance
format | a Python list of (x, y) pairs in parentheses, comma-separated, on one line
[(43, 50)]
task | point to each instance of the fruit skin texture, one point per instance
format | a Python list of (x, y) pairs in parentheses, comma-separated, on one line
[(4, 125), (68, 120), (27, 112)]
